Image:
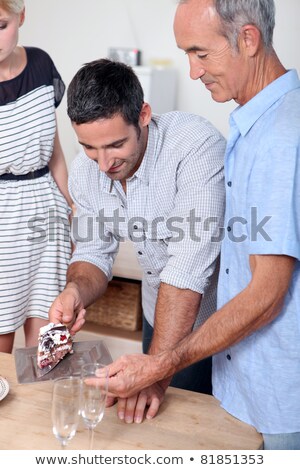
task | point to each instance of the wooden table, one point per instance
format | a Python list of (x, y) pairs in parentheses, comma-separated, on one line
[(187, 420)]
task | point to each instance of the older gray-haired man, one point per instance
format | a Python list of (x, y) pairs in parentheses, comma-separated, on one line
[(255, 333)]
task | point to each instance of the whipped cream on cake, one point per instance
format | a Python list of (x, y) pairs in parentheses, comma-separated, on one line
[(54, 343)]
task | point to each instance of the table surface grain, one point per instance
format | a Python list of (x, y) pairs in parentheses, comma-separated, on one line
[(186, 420)]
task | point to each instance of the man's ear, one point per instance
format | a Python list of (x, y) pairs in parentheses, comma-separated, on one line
[(145, 115), (22, 17), (250, 39)]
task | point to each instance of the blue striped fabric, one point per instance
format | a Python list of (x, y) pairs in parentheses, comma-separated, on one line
[(34, 236)]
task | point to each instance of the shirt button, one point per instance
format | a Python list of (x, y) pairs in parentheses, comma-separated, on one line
[(135, 227), (228, 357), (228, 229), (122, 206), (229, 184), (149, 272), (227, 271), (140, 252)]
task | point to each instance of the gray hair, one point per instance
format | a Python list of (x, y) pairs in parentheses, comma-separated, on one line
[(12, 6), (234, 14)]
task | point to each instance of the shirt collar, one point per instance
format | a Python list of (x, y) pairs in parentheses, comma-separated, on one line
[(144, 170), (245, 116), (107, 183)]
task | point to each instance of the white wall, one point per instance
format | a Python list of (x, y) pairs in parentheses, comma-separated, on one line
[(76, 31)]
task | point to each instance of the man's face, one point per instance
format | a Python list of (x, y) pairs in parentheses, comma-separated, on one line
[(116, 146), (212, 60)]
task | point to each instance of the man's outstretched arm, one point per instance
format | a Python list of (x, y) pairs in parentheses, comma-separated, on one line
[(255, 307)]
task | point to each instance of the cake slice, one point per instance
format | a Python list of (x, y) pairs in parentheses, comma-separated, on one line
[(54, 343)]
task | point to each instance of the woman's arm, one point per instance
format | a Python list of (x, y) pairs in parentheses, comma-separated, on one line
[(59, 170)]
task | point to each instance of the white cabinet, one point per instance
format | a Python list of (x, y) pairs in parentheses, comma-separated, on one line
[(159, 85), (126, 264)]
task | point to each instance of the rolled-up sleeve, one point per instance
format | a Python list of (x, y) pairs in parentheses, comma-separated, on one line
[(274, 227)]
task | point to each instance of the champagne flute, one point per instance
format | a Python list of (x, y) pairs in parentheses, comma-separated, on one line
[(66, 408), (93, 398)]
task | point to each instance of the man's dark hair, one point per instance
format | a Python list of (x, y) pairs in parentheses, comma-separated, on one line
[(102, 89)]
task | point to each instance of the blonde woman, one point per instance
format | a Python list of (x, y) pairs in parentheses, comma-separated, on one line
[(34, 201)]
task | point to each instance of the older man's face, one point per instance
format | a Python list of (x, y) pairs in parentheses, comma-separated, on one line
[(223, 70)]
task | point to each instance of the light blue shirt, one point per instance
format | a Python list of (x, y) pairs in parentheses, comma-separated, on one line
[(258, 380)]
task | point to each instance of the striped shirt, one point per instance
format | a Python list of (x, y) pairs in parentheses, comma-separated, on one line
[(34, 236), (172, 210)]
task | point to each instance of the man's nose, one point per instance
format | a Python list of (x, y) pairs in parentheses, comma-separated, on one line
[(196, 70), (104, 161)]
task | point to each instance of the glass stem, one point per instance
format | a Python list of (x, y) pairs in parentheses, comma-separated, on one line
[(91, 437)]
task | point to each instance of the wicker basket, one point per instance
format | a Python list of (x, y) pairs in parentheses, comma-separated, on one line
[(119, 307)]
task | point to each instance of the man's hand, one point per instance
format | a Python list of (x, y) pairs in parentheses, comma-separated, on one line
[(133, 373), (68, 309), (132, 409), (135, 380)]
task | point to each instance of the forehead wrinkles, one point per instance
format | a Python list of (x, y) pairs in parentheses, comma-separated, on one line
[(195, 17)]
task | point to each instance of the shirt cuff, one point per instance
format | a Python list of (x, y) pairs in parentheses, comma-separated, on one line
[(183, 280), (89, 259)]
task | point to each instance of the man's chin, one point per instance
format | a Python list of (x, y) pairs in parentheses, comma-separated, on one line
[(219, 98)]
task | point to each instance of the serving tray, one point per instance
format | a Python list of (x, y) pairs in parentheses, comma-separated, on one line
[(84, 352)]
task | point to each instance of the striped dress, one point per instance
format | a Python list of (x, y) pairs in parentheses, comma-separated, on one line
[(34, 231)]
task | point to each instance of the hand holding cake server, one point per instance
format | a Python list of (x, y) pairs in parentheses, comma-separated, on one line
[(138, 175)]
